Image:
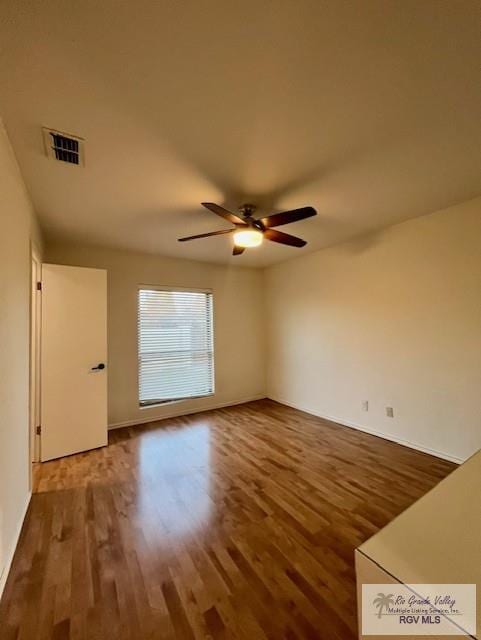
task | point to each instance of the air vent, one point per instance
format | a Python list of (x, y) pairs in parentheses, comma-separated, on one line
[(64, 147)]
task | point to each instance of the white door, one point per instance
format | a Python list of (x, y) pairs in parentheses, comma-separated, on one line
[(73, 360)]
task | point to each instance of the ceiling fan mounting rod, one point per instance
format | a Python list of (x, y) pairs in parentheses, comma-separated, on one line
[(247, 210)]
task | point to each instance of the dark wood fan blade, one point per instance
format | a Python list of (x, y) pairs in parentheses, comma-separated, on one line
[(223, 213), (206, 235), (283, 238), (286, 217), (236, 251)]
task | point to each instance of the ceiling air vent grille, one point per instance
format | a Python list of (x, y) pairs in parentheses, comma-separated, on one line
[(64, 147)]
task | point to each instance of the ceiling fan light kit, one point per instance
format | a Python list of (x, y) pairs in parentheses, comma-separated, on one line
[(248, 238), (250, 232)]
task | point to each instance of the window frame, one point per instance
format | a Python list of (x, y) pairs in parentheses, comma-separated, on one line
[(157, 287)]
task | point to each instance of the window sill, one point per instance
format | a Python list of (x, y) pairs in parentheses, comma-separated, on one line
[(168, 403)]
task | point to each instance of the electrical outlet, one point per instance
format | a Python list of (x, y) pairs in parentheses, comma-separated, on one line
[(365, 405), (390, 412)]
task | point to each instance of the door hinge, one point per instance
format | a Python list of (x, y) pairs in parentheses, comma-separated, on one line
[(38, 430), (39, 286)]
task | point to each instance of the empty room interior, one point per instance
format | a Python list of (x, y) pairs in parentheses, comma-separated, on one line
[(240, 319)]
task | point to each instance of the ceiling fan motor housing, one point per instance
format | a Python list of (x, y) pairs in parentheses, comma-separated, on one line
[(247, 210)]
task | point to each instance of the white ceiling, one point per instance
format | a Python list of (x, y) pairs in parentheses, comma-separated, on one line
[(368, 110)]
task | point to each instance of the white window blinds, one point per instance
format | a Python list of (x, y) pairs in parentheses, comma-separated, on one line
[(176, 359)]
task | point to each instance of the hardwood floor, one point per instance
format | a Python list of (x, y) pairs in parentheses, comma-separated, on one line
[(234, 523)]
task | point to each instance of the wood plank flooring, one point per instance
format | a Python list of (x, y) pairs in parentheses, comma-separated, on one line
[(234, 523)]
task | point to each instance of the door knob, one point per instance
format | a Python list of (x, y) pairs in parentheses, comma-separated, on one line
[(100, 366)]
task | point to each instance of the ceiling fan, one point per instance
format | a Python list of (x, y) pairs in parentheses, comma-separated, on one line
[(250, 232)]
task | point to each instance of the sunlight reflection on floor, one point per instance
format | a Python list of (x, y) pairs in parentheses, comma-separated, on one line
[(174, 471)]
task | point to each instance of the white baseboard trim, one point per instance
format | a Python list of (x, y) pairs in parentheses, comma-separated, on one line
[(182, 412), (13, 547), (373, 432)]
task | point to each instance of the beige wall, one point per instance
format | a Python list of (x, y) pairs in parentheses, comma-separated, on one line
[(17, 228), (239, 354), (393, 318)]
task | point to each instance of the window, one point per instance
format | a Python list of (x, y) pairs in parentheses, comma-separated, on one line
[(176, 359)]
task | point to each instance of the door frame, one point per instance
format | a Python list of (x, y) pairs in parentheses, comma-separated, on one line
[(35, 349)]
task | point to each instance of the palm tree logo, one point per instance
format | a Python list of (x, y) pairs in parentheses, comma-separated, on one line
[(383, 602)]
